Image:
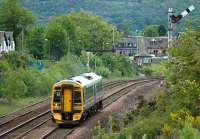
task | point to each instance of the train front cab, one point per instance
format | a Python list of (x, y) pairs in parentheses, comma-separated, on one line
[(67, 103)]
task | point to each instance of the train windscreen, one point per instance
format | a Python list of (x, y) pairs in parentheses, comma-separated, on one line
[(77, 97), (57, 96)]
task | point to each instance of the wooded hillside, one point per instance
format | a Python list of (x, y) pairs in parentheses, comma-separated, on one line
[(135, 13)]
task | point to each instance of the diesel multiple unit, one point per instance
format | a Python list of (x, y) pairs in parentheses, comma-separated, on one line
[(74, 99)]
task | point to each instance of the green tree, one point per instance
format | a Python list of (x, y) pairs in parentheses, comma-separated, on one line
[(58, 41), (151, 31), (86, 31), (185, 65), (126, 30), (36, 42), (14, 17), (162, 30)]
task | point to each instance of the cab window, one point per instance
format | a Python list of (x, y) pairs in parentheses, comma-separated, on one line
[(77, 97), (57, 95)]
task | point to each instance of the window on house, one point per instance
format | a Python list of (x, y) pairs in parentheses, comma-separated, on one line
[(153, 42)]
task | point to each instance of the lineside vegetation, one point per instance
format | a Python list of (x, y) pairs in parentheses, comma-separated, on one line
[(54, 52), (176, 113)]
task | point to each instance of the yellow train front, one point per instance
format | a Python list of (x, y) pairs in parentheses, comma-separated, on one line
[(75, 98)]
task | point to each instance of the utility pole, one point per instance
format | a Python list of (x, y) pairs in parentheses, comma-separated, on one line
[(88, 61), (68, 49), (137, 42), (113, 38), (170, 27)]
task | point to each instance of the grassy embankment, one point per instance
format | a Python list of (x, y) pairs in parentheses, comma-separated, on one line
[(7, 107)]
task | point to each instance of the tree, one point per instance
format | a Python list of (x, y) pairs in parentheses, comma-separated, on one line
[(14, 17), (186, 62), (151, 31), (57, 41), (92, 30), (85, 31), (126, 31), (36, 42), (162, 30)]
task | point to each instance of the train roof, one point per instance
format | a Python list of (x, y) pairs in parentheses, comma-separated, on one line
[(85, 79), (81, 80), (91, 76)]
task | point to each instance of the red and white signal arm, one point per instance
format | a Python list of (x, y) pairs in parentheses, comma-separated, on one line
[(175, 19)]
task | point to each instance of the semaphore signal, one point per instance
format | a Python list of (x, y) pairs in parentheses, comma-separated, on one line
[(176, 19), (172, 19)]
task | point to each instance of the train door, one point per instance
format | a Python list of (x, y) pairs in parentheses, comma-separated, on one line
[(67, 100)]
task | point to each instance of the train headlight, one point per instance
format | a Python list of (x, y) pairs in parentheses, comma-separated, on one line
[(57, 106), (76, 117)]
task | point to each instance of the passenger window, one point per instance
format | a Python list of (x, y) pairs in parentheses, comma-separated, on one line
[(77, 97), (57, 96)]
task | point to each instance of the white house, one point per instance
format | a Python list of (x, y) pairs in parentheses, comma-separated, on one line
[(7, 42)]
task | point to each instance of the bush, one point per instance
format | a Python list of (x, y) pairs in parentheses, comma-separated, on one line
[(12, 86), (16, 59), (103, 71), (116, 73), (146, 70), (188, 132), (19, 80), (150, 126)]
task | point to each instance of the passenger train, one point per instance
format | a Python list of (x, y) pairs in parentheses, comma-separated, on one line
[(75, 98)]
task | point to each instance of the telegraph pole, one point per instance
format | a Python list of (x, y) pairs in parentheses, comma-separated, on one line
[(113, 38), (170, 27), (88, 61)]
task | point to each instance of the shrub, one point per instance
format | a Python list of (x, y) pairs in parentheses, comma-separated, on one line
[(146, 70), (12, 86), (116, 73), (188, 132), (103, 71), (150, 126)]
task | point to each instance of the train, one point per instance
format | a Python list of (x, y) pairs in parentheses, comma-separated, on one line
[(74, 99)]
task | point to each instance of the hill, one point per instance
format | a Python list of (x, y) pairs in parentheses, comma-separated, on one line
[(135, 13)]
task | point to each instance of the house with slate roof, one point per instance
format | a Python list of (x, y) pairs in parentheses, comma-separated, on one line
[(7, 42), (127, 46), (131, 46), (156, 46)]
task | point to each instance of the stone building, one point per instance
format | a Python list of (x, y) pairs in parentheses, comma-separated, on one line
[(127, 46), (131, 46), (156, 46)]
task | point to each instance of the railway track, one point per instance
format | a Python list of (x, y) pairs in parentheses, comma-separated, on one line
[(24, 111), (63, 133), (39, 125)]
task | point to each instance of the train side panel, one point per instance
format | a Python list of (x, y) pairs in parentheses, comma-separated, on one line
[(92, 96)]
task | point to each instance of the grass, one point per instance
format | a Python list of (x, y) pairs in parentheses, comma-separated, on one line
[(9, 107), (159, 68), (156, 68)]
